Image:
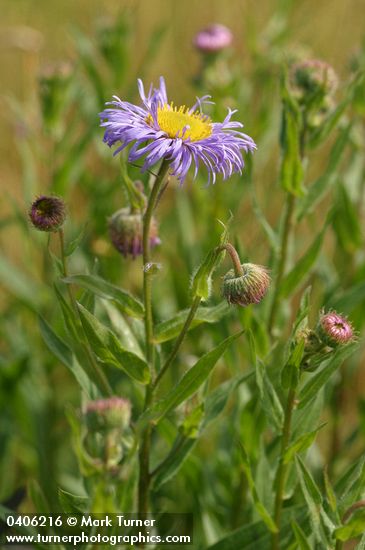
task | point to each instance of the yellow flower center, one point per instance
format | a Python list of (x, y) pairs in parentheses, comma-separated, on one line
[(178, 122)]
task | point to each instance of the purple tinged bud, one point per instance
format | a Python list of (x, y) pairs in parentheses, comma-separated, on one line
[(213, 39), (126, 232), (47, 213), (334, 329), (105, 415), (246, 289), (312, 77)]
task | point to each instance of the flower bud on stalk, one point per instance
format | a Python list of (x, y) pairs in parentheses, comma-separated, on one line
[(313, 77), (334, 329), (248, 288), (107, 421), (126, 232), (47, 213)]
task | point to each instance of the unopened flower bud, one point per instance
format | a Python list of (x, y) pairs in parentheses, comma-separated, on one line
[(213, 39), (105, 415), (126, 232), (248, 288), (47, 213), (334, 329), (311, 78)]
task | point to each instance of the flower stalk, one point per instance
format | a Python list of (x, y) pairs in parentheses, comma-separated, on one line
[(144, 452), (282, 469)]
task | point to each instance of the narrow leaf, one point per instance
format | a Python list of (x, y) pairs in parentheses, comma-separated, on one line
[(191, 381), (106, 346), (169, 329), (99, 286)]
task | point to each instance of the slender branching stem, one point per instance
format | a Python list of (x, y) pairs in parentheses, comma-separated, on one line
[(144, 451), (282, 469), (285, 237), (179, 340), (103, 381)]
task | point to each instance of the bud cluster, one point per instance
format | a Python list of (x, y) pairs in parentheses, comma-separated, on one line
[(332, 330), (314, 83), (107, 422)]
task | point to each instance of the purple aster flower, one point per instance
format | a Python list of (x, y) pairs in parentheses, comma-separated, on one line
[(335, 329), (159, 130), (214, 38)]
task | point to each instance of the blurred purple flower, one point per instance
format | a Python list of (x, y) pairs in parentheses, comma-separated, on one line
[(214, 38), (183, 136)]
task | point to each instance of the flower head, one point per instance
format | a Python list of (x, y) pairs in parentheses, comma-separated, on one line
[(248, 288), (214, 38), (47, 213), (334, 329), (313, 77), (159, 130), (108, 414), (126, 231)]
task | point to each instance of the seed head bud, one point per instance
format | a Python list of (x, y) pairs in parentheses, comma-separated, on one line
[(126, 232), (213, 39), (248, 288), (47, 213), (334, 329), (313, 77), (105, 415)]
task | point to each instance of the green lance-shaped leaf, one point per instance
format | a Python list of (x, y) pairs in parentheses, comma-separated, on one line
[(346, 223), (351, 485), (213, 406), (256, 536), (301, 444), (189, 383), (302, 267), (347, 300), (63, 353), (127, 303), (300, 536), (321, 376), (354, 527), (169, 329), (312, 495), (332, 120), (107, 348), (361, 545), (291, 169), (136, 198), (290, 372), (201, 282), (260, 508), (324, 183), (73, 504), (176, 458), (270, 400)]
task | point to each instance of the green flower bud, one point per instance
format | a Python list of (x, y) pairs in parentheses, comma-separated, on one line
[(248, 288)]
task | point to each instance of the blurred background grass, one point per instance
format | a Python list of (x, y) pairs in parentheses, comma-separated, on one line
[(34, 34), (331, 29)]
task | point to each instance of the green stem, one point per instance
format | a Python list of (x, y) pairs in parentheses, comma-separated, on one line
[(98, 372), (339, 545), (285, 236), (179, 340), (144, 452), (282, 469)]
